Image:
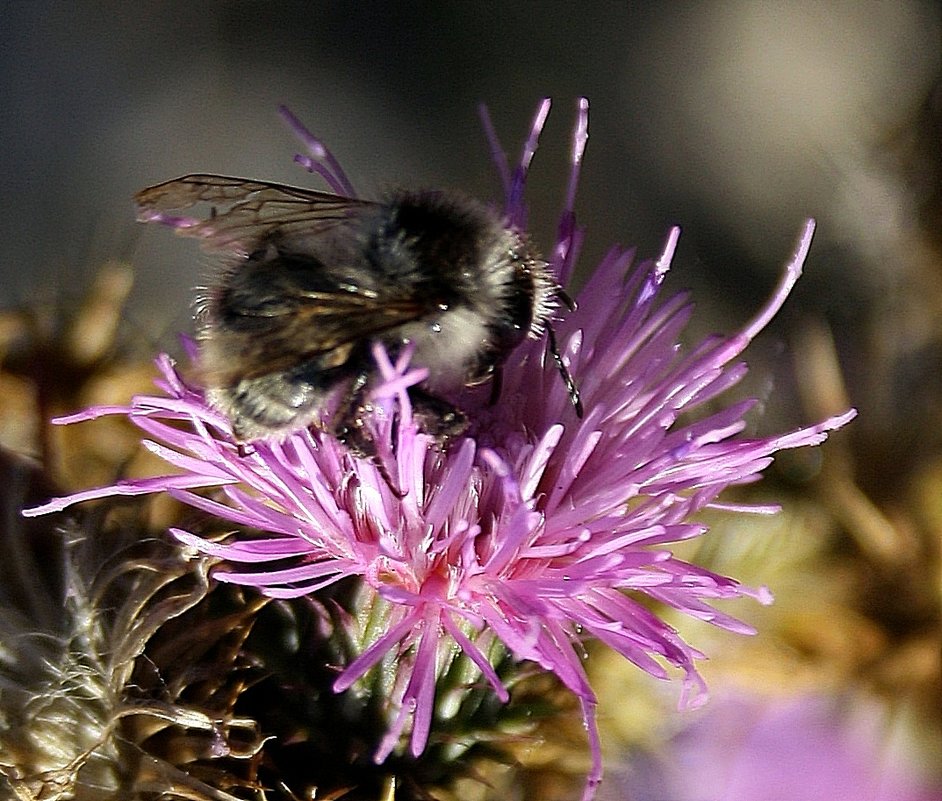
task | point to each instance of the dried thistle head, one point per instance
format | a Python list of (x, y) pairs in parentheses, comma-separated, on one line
[(67, 353)]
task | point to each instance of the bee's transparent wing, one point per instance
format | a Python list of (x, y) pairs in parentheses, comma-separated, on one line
[(322, 331), (240, 210)]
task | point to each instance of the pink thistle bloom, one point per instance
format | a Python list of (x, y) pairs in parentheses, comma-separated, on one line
[(538, 528), (794, 748)]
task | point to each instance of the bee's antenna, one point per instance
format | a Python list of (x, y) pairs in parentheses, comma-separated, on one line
[(566, 299), (568, 380)]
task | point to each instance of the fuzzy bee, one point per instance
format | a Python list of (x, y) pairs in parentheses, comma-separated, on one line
[(286, 327)]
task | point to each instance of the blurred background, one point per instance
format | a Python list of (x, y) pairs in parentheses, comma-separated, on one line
[(734, 120)]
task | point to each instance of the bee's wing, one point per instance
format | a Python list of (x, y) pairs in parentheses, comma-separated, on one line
[(319, 329), (241, 211), (295, 325)]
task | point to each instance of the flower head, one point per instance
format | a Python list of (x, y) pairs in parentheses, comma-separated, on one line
[(808, 747), (538, 528)]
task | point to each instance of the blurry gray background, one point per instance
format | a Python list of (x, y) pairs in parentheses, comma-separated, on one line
[(735, 120)]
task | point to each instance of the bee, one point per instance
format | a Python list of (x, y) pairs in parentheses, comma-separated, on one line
[(287, 325)]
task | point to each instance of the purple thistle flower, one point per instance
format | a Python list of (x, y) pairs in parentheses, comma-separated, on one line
[(538, 528), (807, 747)]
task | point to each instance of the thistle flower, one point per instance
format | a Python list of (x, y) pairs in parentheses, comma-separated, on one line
[(808, 747), (538, 529)]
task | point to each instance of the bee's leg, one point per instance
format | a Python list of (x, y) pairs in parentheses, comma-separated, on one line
[(352, 430), (436, 417), (350, 426)]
